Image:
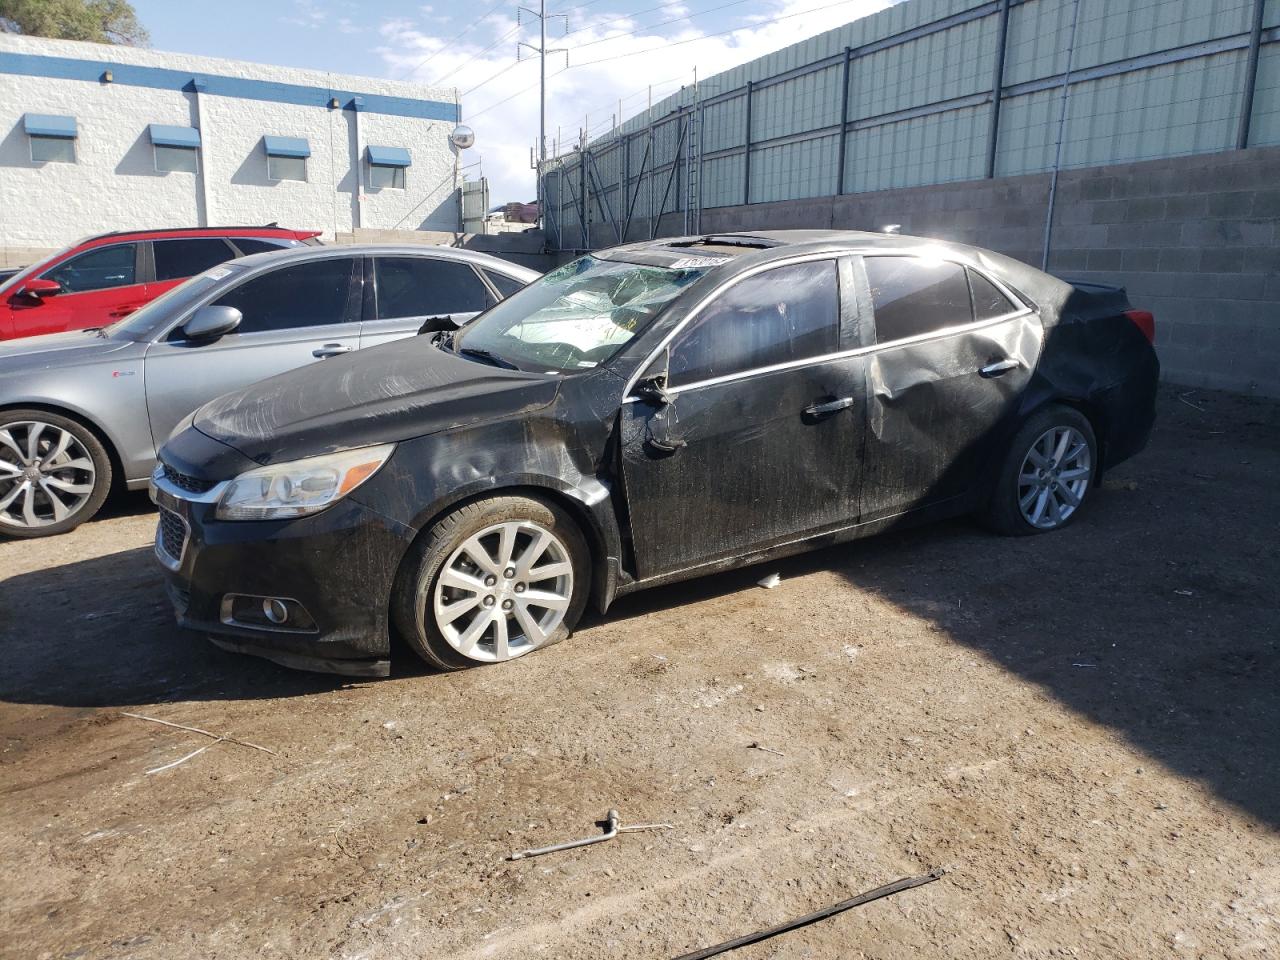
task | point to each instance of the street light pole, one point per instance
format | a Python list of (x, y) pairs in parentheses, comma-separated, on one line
[(542, 51)]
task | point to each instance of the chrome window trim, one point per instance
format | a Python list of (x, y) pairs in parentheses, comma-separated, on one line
[(675, 391)]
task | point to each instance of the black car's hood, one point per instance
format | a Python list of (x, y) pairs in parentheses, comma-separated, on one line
[(408, 388)]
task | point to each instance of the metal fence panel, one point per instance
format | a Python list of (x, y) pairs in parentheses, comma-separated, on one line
[(1148, 78)]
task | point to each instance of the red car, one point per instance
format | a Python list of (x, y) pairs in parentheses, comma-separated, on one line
[(99, 280)]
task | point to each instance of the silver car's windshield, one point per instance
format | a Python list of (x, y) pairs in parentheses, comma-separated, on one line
[(145, 323), (577, 316)]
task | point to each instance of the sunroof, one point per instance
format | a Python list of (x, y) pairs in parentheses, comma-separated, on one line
[(727, 243)]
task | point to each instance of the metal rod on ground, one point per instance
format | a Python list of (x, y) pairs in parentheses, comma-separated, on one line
[(906, 883), (613, 828)]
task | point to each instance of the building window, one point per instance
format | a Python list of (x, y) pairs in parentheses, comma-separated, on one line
[(177, 149), (53, 139), (387, 167), (380, 176), (286, 157)]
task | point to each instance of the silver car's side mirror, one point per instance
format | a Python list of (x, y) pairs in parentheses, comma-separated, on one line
[(211, 321)]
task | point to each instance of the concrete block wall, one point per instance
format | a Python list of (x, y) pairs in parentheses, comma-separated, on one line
[(1195, 239)]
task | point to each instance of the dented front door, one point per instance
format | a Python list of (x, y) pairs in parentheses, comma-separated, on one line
[(758, 440)]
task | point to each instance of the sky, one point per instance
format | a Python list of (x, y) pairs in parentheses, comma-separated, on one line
[(617, 49)]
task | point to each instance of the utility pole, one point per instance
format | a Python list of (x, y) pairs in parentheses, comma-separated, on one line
[(542, 51)]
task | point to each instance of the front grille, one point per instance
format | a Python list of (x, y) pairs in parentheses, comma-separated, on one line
[(172, 535), (187, 483)]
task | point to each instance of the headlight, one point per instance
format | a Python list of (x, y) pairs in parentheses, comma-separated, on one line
[(300, 487)]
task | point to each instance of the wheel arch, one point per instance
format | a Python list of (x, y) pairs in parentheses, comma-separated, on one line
[(589, 509), (1091, 411), (118, 479)]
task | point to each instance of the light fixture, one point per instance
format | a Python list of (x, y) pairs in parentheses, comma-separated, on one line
[(106, 76)]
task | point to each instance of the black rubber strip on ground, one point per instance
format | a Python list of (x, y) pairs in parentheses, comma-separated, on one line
[(906, 883)]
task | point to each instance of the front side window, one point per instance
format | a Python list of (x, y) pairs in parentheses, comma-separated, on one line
[(308, 294), (382, 176), (576, 316), (914, 296), (286, 168), (98, 269), (53, 149), (177, 159), (179, 259), (781, 315), (418, 286)]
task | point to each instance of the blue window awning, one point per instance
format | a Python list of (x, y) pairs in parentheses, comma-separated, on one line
[(165, 136), (389, 157), (47, 125), (286, 147)]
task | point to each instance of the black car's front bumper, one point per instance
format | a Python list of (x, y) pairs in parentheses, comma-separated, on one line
[(337, 566)]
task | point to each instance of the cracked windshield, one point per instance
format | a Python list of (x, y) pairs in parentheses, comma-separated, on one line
[(577, 316)]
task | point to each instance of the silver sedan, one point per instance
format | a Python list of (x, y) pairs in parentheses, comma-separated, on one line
[(84, 410)]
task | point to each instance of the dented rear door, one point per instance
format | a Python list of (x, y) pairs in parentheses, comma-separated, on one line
[(953, 354)]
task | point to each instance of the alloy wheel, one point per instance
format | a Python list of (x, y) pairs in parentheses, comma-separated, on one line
[(1054, 477), (504, 591), (46, 474)]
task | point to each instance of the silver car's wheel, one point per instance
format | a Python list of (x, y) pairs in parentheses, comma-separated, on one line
[(503, 591), (47, 476), (1054, 477)]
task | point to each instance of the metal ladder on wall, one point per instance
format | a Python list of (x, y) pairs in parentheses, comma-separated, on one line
[(693, 167)]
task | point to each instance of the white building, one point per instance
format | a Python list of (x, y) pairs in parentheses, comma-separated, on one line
[(96, 138)]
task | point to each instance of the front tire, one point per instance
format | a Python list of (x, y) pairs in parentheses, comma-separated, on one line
[(1046, 475), (54, 474), (494, 580)]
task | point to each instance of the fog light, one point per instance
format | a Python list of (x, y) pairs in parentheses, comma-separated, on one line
[(273, 613), (275, 610)]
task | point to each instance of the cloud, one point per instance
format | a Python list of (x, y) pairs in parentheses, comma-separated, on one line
[(611, 59), (307, 14)]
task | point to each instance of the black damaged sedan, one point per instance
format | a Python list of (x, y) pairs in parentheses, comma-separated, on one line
[(641, 415)]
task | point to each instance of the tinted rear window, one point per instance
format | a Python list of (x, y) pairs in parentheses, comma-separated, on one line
[(914, 296), (505, 285), (179, 259), (988, 302), (248, 245)]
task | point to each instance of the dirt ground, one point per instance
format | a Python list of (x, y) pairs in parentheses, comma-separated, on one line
[(1083, 729)]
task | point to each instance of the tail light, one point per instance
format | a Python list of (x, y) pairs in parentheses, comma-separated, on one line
[(1145, 321)]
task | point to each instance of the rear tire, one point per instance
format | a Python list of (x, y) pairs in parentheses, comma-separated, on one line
[(54, 474), (1047, 474), (492, 581)]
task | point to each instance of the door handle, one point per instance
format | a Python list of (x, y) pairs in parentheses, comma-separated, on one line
[(828, 408), (997, 368), (331, 350), (124, 311)]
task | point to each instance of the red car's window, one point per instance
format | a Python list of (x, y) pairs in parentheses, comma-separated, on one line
[(99, 269)]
